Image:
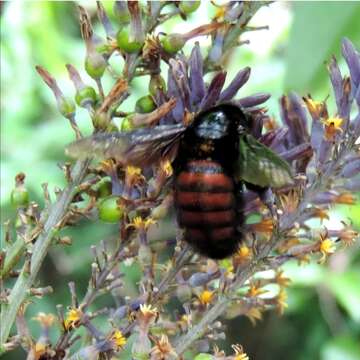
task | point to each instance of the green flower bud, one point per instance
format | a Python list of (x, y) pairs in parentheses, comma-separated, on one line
[(19, 197), (124, 43), (66, 107), (156, 83), (145, 104), (101, 120), (95, 65), (86, 96), (187, 7), (173, 43), (126, 124), (109, 210)]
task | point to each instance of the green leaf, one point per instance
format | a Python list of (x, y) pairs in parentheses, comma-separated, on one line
[(341, 348), (315, 35), (346, 288)]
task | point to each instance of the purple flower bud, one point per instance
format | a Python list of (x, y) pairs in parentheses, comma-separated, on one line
[(196, 75), (216, 52), (298, 152), (173, 91), (239, 80), (324, 152), (317, 134), (104, 19), (353, 184), (213, 91), (352, 168), (252, 100), (352, 58), (274, 137), (357, 96), (356, 125), (199, 279), (336, 81), (179, 75), (234, 12), (120, 312), (325, 197), (136, 28)]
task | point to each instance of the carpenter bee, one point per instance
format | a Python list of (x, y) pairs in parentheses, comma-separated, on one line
[(216, 156)]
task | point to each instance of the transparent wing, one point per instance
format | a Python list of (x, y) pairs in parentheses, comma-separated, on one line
[(139, 147), (260, 166)]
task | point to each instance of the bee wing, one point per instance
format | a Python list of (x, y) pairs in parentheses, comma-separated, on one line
[(139, 147), (259, 165)]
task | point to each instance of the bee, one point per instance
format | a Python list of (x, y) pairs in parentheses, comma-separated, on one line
[(215, 157)]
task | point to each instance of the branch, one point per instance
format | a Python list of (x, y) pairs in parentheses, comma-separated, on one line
[(25, 280)]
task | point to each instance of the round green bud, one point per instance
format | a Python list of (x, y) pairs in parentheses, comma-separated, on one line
[(109, 210), (95, 65), (19, 197), (125, 44), (101, 120), (187, 7), (156, 83), (85, 96), (145, 104), (126, 124), (173, 43)]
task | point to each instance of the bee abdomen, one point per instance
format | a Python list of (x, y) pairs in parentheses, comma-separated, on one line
[(206, 205)]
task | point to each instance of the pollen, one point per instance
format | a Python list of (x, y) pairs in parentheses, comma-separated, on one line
[(206, 297), (72, 319), (332, 127), (255, 290), (315, 108)]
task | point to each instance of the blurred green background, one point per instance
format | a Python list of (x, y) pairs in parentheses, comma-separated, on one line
[(323, 317)]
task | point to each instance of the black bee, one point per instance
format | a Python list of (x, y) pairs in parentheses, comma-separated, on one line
[(216, 157)]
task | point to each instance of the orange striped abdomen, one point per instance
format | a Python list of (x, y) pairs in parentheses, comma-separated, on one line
[(206, 207)]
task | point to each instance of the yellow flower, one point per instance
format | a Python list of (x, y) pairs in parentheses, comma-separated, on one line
[(254, 314), (140, 224), (281, 301), (316, 108), (118, 338), (133, 175), (239, 352), (133, 171), (242, 256), (72, 319), (148, 311), (332, 126), (281, 280), (46, 320), (162, 349), (326, 247), (206, 297), (166, 168), (255, 290)]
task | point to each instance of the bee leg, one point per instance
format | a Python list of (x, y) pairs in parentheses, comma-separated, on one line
[(267, 197)]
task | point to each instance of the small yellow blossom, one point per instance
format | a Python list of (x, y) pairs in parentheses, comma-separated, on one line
[(254, 314), (332, 127), (255, 290), (326, 247), (133, 171), (133, 175), (140, 224), (148, 310), (206, 297), (72, 319), (316, 108), (346, 198), (119, 339), (46, 320), (166, 168), (239, 352), (281, 301), (281, 280), (163, 349)]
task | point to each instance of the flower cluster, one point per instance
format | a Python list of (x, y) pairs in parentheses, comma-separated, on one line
[(321, 148)]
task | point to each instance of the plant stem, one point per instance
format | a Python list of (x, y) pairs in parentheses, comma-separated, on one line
[(25, 280)]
